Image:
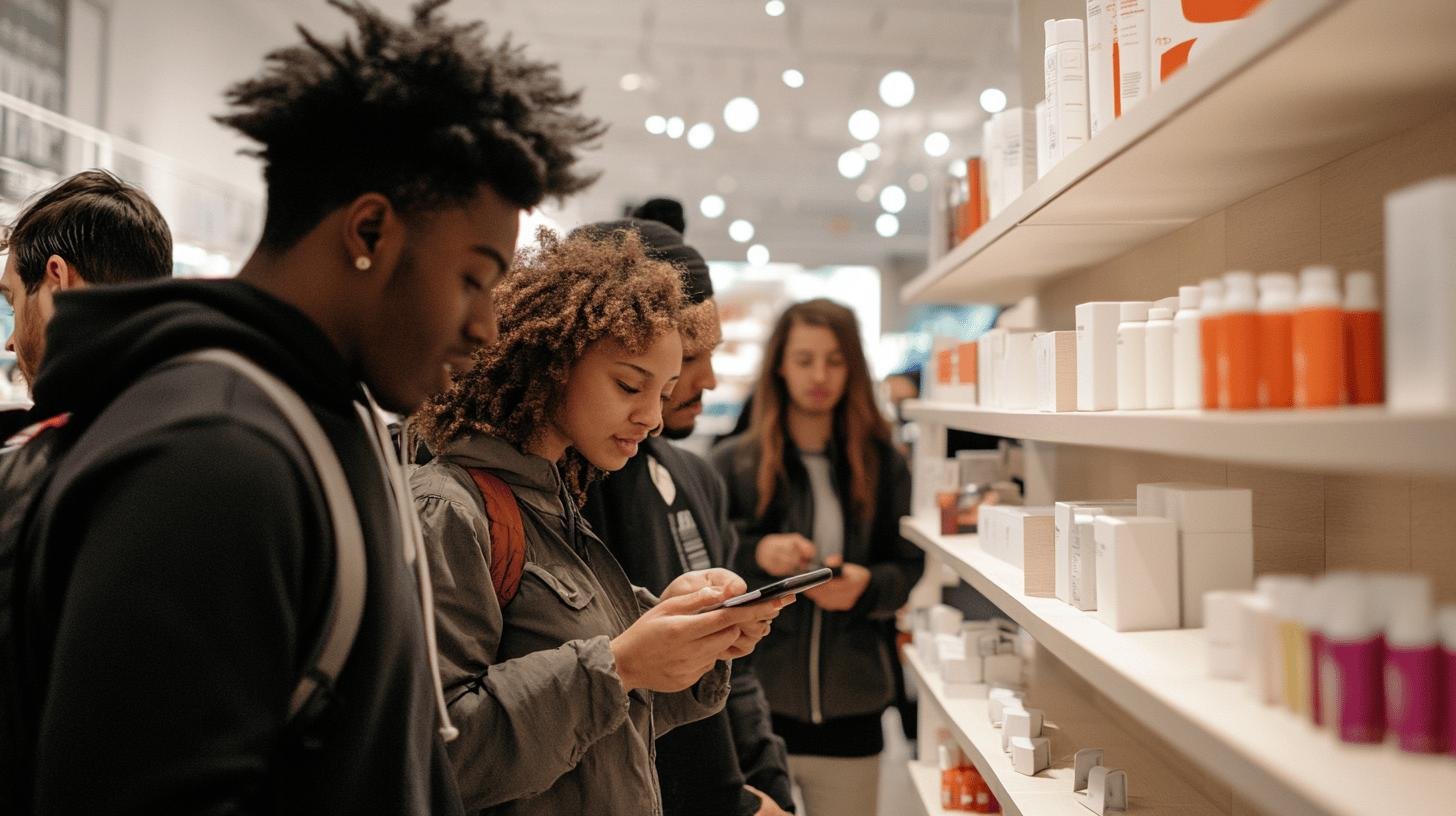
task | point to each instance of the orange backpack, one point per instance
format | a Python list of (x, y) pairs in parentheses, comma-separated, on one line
[(507, 534)]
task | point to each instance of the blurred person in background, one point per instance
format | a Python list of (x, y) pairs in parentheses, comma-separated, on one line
[(560, 672), (816, 481), (666, 513), (91, 229)]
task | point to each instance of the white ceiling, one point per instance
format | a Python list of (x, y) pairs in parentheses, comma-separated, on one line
[(695, 55)]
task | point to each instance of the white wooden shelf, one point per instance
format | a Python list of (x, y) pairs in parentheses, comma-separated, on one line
[(1273, 758), (926, 779), (1362, 439), (1302, 83)]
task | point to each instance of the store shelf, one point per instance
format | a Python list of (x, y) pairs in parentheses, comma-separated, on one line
[(1364, 439), (1276, 760), (926, 779), (1302, 83)]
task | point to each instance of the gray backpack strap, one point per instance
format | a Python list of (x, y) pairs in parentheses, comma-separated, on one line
[(346, 606)]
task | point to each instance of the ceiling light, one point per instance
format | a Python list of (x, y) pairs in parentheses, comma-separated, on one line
[(865, 192), (794, 78), (712, 206), (631, 82), (758, 255), (675, 127), (892, 198), (897, 89), (851, 164), (774, 8), (993, 100), (887, 225), (919, 182), (740, 114), (656, 125), (958, 168), (700, 136), (937, 144), (740, 231), (864, 125), (870, 151)]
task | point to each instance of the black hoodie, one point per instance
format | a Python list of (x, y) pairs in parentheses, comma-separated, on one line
[(187, 570)]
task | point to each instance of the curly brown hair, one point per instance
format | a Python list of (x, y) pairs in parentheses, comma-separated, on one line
[(558, 299)]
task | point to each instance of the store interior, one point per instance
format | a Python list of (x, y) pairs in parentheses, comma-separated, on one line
[(1144, 544)]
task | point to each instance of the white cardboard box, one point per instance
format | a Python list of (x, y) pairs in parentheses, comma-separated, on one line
[(1420, 296), (1056, 371), (1097, 355), (1017, 137), (1064, 532), (1176, 40), (1215, 538), (989, 349), (1137, 573), (1101, 87), (1083, 554), (1134, 49), (1016, 368)]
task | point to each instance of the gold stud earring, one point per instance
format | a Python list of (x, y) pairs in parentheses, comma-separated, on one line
[(362, 263)]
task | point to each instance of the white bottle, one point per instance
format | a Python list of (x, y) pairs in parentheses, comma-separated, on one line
[(1070, 109), (1187, 357), (1132, 355), (1053, 144), (1158, 370)]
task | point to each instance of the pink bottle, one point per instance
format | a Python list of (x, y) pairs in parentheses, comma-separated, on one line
[(1413, 676), (1350, 669), (1312, 614), (1446, 621)]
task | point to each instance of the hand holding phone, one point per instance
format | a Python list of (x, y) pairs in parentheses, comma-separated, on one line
[(792, 585)]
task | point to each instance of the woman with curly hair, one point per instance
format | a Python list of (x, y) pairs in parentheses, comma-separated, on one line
[(562, 675)]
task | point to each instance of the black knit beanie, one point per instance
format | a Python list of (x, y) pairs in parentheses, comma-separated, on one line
[(663, 243)]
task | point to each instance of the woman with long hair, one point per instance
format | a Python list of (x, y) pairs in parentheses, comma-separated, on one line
[(816, 481), (559, 673)]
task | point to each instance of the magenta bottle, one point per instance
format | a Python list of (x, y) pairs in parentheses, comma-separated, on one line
[(1446, 621), (1351, 685), (1312, 614), (1413, 677)]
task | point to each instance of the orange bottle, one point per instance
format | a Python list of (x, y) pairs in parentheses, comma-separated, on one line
[(1238, 344), (976, 795), (1278, 293), (1208, 339), (1319, 340), (1364, 341)]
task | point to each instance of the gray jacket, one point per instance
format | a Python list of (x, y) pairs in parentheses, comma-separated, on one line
[(545, 727)]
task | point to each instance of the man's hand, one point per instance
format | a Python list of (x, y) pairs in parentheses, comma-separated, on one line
[(768, 807), (784, 554), (840, 594), (690, 582)]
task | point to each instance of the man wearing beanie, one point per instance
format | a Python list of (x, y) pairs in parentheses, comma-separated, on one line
[(666, 513)]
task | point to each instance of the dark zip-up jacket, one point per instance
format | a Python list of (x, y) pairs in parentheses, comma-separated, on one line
[(846, 652), (187, 566), (703, 766)]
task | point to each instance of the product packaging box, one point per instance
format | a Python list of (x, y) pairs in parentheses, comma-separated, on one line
[(1003, 670), (1133, 53), (1030, 757), (1420, 297), (991, 167), (989, 349), (1183, 30), (1083, 554), (1097, 355), (968, 370), (1016, 136), (1016, 370), (1024, 538), (997, 701), (1137, 573), (1056, 371), (1101, 86), (1064, 535), (1215, 538)]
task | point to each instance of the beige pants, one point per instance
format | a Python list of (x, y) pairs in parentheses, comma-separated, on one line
[(837, 786)]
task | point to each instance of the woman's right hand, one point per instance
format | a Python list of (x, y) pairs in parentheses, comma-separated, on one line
[(784, 554), (673, 645)]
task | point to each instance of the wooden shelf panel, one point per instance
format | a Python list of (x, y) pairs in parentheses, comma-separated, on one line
[(1274, 759), (1302, 83), (1357, 439)]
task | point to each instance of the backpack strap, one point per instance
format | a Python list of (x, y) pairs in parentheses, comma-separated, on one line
[(507, 533), (346, 606)]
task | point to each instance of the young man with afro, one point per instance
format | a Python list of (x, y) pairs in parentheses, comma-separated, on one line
[(197, 542)]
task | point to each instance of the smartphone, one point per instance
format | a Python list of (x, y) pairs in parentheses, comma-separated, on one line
[(792, 585)]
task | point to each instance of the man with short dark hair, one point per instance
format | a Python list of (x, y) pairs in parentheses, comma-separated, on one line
[(666, 513), (90, 229), (196, 544)]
